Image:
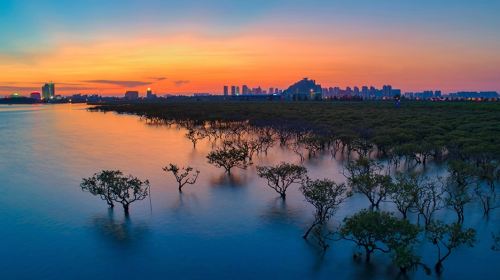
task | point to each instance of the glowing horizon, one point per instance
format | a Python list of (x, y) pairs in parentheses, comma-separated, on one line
[(200, 46)]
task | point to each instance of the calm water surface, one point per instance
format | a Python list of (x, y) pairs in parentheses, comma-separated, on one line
[(233, 228)]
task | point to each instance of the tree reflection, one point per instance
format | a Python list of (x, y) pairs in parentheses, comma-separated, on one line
[(121, 232), (232, 180), (278, 211)]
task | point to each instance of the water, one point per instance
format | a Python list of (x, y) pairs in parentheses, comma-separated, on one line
[(218, 228)]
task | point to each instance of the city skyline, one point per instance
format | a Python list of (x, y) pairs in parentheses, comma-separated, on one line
[(91, 47)]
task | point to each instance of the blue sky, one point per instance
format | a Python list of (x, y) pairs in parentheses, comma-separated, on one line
[(33, 28)]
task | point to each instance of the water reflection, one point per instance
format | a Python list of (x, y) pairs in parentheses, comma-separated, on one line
[(185, 201), (279, 211), (228, 180), (121, 232)]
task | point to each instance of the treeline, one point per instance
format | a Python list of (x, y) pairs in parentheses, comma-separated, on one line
[(416, 130)]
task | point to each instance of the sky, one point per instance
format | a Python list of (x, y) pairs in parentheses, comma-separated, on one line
[(108, 47)]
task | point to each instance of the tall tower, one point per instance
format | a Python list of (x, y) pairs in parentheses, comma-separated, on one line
[(226, 90), (48, 91)]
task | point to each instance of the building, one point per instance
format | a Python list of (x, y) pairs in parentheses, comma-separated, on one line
[(233, 90), (48, 91), (131, 95), (237, 90), (424, 95), (245, 90), (149, 94), (474, 95), (304, 90), (226, 90), (35, 95)]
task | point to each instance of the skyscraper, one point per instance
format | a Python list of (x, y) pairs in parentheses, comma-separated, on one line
[(245, 90), (226, 90), (233, 90), (48, 91), (149, 93)]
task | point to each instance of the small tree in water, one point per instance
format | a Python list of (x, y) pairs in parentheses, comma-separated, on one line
[(380, 231), (458, 187), (280, 177), (403, 192), (364, 177), (326, 196), (113, 186), (102, 184), (447, 237), (229, 156), (183, 175)]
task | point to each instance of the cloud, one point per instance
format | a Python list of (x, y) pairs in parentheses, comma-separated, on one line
[(179, 83), (119, 83), (158, 78)]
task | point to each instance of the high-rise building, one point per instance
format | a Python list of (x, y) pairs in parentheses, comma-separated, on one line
[(48, 91), (226, 90), (237, 90), (245, 90), (131, 95), (149, 93), (271, 90), (233, 90)]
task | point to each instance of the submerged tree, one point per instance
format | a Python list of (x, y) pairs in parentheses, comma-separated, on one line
[(229, 156), (403, 192), (280, 177), (326, 196), (102, 184), (130, 189), (113, 186), (428, 200), (487, 174), (381, 231), (193, 135), (364, 177), (447, 237), (182, 175), (458, 187)]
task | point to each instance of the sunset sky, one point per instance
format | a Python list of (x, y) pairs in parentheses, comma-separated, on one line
[(189, 46)]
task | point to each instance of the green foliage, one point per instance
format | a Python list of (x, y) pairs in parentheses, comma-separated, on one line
[(458, 187), (326, 196), (381, 231), (462, 129), (363, 176), (281, 176), (229, 156), (403, 192), (113, 186), (447, 237)]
